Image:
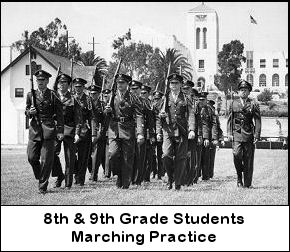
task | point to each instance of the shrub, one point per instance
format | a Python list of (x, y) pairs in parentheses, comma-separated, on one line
[(257, 90), (265, 96), (272, 105)]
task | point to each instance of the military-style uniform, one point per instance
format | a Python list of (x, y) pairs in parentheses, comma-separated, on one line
[(99, 155), (42, 137), (189, 173), (212, 148), (71, 127), (244, 124), (121, 133), (146, 153), (175, 134), (83, 146), (209, 132), (157, 156)]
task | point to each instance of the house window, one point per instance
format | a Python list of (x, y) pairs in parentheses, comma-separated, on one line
[(204, 38), (201, 64), (250, 79), (262, 80), (197, 38), (275, 62), (33, 55), (275, 80), (262, 63), (19, 92), (27, 72), (286, 80)]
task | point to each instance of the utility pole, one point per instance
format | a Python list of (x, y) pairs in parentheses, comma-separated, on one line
[(10, 51), (67, 37), (93, 45)]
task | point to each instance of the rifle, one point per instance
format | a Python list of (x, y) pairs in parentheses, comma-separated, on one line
[(232, 115), (114, 86), (166, 92), (33, 96), (57, 73), (71, 73)]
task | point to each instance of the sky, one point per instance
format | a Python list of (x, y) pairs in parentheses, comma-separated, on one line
[(107, 20)]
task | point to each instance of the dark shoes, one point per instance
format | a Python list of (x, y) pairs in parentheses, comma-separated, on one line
[(125, 187), (240, 183), (177, 187), (169, 186), (58, 182), (42, 191), (119, 182)]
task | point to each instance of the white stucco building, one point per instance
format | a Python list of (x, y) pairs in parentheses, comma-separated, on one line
[(267, 70), (15, 84)]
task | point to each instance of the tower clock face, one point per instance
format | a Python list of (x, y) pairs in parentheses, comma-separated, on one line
[(200, 18)]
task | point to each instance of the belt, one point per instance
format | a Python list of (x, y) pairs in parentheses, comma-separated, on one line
[(122, 119)]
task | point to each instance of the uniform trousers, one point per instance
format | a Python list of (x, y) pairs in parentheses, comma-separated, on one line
[(174, 157), (83, 154), (98, 157), (69, 155), (121, 158), (244, 161), (43, 150)]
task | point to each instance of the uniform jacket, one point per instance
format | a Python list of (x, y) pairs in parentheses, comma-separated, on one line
[(97, 117), (84, 105), (71, 114), (216, 132), (207, 128), (149, 123), (244, 121), (180, 117), (126, 111), (49, 108)]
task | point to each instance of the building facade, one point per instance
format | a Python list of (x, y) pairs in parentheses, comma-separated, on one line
[(203, 43), (267, 70)]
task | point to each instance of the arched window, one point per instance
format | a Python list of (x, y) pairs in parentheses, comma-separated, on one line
[(204, 38), (286, 80), (250, 79), (197, 38), (275, 80), (262, 80)]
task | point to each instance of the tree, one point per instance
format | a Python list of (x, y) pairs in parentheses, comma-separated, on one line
[(117, 43), (52, 38), (265, 96), (178, 63), (229, 67)]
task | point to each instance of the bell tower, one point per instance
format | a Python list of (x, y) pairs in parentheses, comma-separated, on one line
[(203, 43)]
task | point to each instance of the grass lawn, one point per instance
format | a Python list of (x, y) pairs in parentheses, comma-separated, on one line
[(270, 185)]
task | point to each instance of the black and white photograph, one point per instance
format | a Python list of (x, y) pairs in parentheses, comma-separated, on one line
[(144, 126), (144, 103)]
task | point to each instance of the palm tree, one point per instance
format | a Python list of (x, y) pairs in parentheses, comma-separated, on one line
[(89, 59), (178, 64)]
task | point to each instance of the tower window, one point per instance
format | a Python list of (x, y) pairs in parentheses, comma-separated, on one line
[(286, 62), (201, 64), (262, 63), (286, 80), (275, 62), (197, 38), (204, 38)]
